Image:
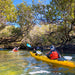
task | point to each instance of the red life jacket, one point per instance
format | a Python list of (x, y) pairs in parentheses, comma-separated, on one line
[(54, 55)]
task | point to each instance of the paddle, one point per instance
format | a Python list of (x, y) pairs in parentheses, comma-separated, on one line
[(66, 57), (38, 52), (28, 45)]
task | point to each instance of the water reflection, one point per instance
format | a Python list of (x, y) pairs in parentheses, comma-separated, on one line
[(22, 63)]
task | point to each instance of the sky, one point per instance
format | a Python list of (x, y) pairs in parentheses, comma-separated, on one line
[(20, 1), (30, 1)]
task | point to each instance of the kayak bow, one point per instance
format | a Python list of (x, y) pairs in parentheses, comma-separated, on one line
[(46, 59), (15, 50)]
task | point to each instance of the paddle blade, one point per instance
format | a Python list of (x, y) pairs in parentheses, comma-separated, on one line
[(28, 45), (67, 57)]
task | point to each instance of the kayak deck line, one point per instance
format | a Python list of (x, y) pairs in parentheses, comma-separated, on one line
[(46, 59)]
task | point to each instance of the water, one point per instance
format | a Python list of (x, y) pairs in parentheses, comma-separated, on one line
[(22, 63)]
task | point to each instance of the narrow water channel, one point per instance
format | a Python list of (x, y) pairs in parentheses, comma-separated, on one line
[(22, 63)]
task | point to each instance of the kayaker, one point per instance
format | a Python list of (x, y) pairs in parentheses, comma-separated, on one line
[(37, 51), (16, 49), (34, 51), (53, 53)]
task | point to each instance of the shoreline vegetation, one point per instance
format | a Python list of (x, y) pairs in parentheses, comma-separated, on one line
[(68, 49), (38, 24)]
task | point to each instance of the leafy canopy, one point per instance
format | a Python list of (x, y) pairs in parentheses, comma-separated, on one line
[(8, 10)]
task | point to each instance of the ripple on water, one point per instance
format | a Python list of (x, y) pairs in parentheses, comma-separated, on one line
[(24, 64), (39, 72)]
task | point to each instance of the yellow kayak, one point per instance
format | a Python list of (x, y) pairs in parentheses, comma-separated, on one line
[(46, 59)]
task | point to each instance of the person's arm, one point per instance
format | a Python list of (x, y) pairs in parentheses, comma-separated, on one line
[(13, 49), (48, 53), (59, 55), (18, 48)]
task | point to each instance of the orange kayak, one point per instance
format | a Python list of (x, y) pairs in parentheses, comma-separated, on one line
[(15, 50)]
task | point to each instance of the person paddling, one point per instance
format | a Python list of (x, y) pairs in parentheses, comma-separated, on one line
[(37, 52), (53, 53), (34, 51), (16, 49)]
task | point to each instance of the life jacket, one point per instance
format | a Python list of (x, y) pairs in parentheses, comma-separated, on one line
[(54, 55)]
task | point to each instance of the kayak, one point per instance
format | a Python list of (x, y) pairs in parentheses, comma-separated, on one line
[(15, 50), (46, 59)]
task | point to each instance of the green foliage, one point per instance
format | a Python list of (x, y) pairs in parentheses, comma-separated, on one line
[(6, 32), (10, 31), (16, 31), (24, 17), (24, 14), (8, 10), (65, 5), (56, 19), (39, 31), (42, 35)]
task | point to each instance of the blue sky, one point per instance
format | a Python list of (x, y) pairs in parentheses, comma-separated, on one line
[(29, 1), (20, 1)]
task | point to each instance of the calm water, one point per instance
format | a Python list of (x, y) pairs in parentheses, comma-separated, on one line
[(22, 63)]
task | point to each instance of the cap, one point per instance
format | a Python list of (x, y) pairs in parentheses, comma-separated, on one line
[(52, 47)]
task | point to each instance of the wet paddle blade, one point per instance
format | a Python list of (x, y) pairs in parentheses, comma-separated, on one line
[(67, 57), (28, 45)]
